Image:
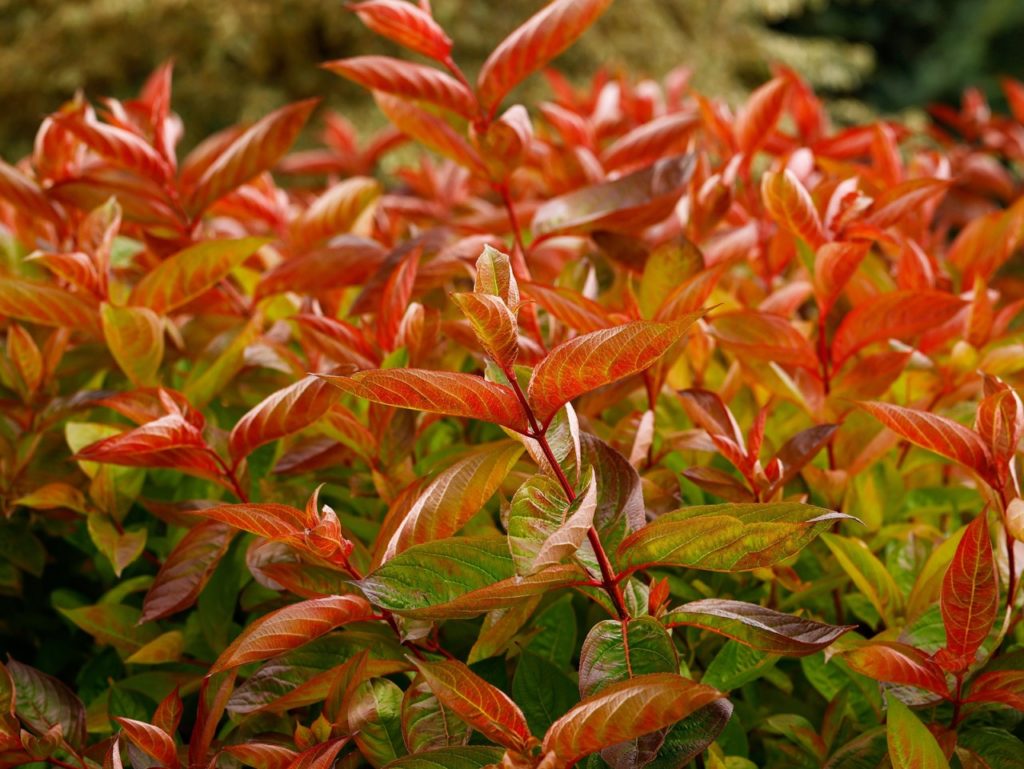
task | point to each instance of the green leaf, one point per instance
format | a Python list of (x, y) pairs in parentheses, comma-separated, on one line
[(375, 716), (869, 575), (544, 528), (911, 745), (458, 577), (545, 691), (113, 624), (736, 665), (427, 724), (43, 701), (728, 537), (22, 548)]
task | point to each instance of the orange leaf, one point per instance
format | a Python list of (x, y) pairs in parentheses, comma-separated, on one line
[(757, 120), (253, 152), (290, 627), (624, 711), (442, 392), (935, 433), (151, 740), (764, 336), (47, 305), (406, 24), (789, 203), (969, 598), (540, 39), (135, 337), (279, 414), (408, 80), (484, 707), (186, 570), (898, 663), (894, 315), (599, 358)]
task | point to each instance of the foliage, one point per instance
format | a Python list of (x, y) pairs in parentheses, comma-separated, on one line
[(633, 431)]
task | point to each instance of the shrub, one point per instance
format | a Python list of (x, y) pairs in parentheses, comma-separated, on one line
[(612, 439)]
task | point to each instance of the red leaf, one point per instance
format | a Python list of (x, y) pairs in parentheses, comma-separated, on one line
[(348, 260), (650, 141), (484, 707), (935, 433), (764, 336), (494, 325), (290, 627), (706, 410), (189, 273), (540, 39), (754, 125), (76, 268), (624, 711), (395, 301), (898, 663), (628, 203), (282, 413), (442, 392), (186, 570), (407, 25), (151, 740), (1000, 422), (789, 203), (599, 358), (252, 153), (969, 598), (1003, 686), (569, 307), (894, 315), (47, 305), (834, 265), (262, 755), (430, 130), (408, 80), (337, 210), (25, 195), (269, 520), (116, 144), (896, 203)]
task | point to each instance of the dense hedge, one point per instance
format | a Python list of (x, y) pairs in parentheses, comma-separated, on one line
[(621, 429)]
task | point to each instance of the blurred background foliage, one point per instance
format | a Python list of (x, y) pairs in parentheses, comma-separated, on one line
[(238, 59)]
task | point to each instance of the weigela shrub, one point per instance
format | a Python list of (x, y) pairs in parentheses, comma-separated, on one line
[(632, 431)]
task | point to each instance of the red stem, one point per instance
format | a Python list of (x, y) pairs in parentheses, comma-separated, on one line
[(609, 579)]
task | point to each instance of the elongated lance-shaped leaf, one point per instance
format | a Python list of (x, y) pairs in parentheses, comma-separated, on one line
[(728, 537), (898, 663), (335, 211), (135, 337), (969, 598), (427, 723), (483, 706), (756, 626), (458, 577), (256, 150), (451, 499), (406, 24), (624, 711), (151, 740), (282, 413), (789, 203), (442, 392), (628, 203), (1003, 686), (868, 574), (599, 358), (893, 315), (186, 570), (616, 651), (408, 80), (935, 433), (834, 265), (911, 745), (290, 627), (494, 325), (765, 337), (536, 42), (47, 305), (189, 273), (544, 528)]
